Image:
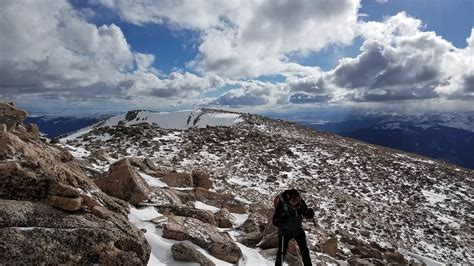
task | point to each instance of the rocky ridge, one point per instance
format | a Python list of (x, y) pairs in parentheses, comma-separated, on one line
[(373, 204)]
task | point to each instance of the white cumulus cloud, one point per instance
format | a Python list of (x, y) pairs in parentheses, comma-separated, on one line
[(250, 38)]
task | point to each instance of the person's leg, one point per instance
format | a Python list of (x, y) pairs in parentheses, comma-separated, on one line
[(301, 241), (282, 248)]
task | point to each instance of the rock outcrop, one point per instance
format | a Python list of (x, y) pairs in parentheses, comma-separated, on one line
[(33, 232), (46, 208), (11, 116)]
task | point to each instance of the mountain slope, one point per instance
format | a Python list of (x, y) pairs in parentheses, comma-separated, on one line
[(411, 203)]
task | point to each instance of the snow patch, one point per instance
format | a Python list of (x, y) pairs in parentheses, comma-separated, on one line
[(153, 181), (203, 206)]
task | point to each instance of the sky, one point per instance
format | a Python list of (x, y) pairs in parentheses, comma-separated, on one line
[(247, 55)]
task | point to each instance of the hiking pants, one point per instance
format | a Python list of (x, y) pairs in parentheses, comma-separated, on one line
[(300, 239)]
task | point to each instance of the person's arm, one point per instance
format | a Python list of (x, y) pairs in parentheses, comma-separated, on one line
[(278, 214), (307, 213)]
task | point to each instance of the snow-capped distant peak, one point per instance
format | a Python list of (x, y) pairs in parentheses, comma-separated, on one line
[(199, 118)]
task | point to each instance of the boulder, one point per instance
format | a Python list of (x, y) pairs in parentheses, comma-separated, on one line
[(11, 116), (3, 128), (201, 179), (256, 222), (330, 247), (177, 179), (187, 253), (67, 204), (32, 232), (204, 235), (224, 219), (219, 200), (123, 182)]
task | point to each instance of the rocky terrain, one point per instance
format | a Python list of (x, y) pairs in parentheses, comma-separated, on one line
[(197, 186), (51, 212), (373, 204)]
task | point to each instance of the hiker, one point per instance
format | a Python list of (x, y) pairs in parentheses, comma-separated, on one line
[(289, 212)]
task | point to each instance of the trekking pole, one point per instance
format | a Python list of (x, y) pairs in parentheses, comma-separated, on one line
[(282, 246), (314, 222)]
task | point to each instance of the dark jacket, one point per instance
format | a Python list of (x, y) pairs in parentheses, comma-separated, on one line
[(289, 219)]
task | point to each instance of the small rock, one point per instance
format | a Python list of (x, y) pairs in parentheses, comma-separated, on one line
[(330, 247)]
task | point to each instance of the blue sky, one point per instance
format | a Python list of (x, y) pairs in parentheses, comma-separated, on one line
[(102, 55)]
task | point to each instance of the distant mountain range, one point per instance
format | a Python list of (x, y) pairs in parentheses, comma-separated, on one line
[(56, 125), (448, 137)]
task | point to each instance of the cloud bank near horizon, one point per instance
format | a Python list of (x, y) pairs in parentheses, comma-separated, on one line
[(52, 51)]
